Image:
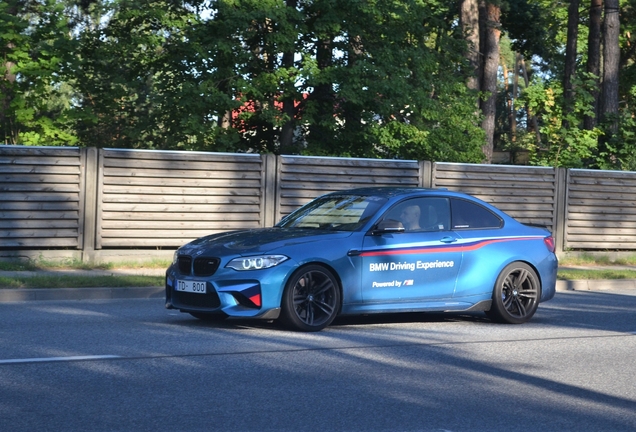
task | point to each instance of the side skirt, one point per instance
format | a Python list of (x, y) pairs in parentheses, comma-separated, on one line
[(450, 306)]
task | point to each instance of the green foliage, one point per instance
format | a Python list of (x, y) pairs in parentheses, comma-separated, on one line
[(619, 152), (126, 79), (380, 79), (564, 142), (539, 29), (400, 93), (33, 42), (366, 79)]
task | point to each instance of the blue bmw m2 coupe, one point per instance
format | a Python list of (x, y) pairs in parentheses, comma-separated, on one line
[(372, 250)]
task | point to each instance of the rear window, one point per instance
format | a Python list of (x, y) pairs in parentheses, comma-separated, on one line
[(468, 215)]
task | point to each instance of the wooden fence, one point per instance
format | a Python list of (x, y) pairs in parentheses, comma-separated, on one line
[(41, 197), (157, 199), (600, 210), (95, 204)]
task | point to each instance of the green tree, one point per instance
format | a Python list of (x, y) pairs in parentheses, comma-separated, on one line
[(563, 142), (607, 144), (33, 97), (391, 89), (396, 81), (387, 79), (116, 70)]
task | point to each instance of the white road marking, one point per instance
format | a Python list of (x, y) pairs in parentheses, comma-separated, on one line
[(58, 359)]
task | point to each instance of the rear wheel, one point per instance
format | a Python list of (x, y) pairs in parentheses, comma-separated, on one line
[(311, 299), (516, 295)]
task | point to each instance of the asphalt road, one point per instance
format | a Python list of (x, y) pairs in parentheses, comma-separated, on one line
[(130, 365)]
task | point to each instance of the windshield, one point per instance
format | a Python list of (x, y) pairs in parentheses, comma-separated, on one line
[(334, 212)]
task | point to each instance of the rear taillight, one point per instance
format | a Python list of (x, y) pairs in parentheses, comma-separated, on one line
[(549, 243)]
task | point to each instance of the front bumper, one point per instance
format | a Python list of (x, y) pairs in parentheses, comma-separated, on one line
[(258, 296)]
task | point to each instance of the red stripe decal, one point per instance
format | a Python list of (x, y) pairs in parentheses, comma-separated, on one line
[(436, 249)]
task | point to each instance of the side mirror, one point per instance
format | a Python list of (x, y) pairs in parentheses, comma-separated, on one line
[(388, 226)]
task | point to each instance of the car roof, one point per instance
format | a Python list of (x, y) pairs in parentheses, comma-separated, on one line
[(397, 192), (391, 191)]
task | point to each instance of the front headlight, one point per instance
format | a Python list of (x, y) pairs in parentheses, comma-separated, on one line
[(256, 262), (174, 257)]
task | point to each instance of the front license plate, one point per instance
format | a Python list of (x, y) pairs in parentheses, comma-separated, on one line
[(191, 286)]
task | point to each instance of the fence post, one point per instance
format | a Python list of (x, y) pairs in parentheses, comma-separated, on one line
[(560, 208), (426, 174), (90, 204), (268, 197)]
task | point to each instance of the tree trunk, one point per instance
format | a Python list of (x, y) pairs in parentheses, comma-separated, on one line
[(6, 87), (594, 58), (352, 112), (469, 18), (515, 92), (489, 84), (611, 60), (570, 57), (287, 131), (6, 97), (507, 93), (322, 96), (531, 119)]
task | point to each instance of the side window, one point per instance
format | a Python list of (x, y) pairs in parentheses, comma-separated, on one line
[(468, 215), (422, 214)]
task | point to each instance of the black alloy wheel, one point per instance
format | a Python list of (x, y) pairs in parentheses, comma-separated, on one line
[(311, 299), (516, 295)]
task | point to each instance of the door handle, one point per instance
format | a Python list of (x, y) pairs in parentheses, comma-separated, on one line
[(448, 239)]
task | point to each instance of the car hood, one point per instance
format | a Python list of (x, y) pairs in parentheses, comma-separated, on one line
[(263, 240)]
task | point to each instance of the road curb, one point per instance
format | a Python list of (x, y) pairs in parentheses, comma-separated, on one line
[(595, 284), (31, 294)]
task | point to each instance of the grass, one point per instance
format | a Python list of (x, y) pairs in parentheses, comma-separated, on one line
[(81, 281), (51, 280), (35, 265), (597, 260), (604, 263), (580, 274)]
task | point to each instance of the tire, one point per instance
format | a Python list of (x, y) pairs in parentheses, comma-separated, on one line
[(516, 295), (208, 316), (311, 299)]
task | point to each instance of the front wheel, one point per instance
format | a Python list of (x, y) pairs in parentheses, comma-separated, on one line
[(311, 299), (516, 294)]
